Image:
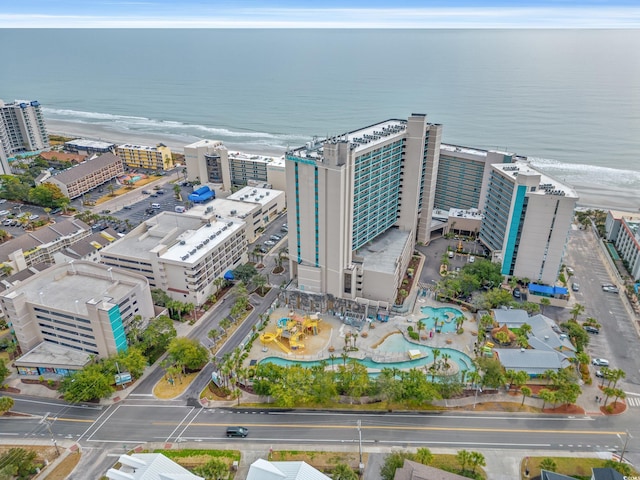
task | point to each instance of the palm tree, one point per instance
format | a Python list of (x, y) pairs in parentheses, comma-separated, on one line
[(547, 396), (213, 334), (548, 464), (342, 471), (445, 361), (6, 269), (260, 281), (424, 456), (463, 457), (477, 460), (617, 374), (577, 310), (544, 302), (344, 356), (111, 189), (526, 392), (420, 326)]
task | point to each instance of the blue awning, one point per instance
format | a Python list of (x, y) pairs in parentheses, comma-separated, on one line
[(547, 290), (228, 275)]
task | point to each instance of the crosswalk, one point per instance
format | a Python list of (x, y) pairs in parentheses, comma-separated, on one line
[(633, 401)]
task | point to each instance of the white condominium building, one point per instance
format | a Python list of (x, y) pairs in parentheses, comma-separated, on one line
[(22, 128), (181, 254), (356, 205), (81, 306), (527, 217)]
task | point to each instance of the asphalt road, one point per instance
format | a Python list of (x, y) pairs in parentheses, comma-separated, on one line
[(618, 339), (133, 423)]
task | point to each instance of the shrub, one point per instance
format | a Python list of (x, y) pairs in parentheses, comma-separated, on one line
[(460, 331), (414, 335)]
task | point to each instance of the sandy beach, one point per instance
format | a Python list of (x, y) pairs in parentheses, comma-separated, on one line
[(591, 195), (114, 135)]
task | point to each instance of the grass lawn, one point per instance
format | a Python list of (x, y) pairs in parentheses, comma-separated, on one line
[(323, 461), (64, 468), (450, 464), (191, 458), (166, 391), (580, 466)]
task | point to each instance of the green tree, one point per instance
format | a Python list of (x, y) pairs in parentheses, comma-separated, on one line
[(477, 460), (160, 297), (577, 335), (547, 396), (245, 273), (577, 310), (46, 195), (4, 371), (424, 456), (548, 464), (18, 462), (464, 458), (132, 361), (214, 469), (495, 298), (260, 281), (342, 471), (6, 404), (544, 302), (90, 383), (526, 392), (392, 462), (493, 377), (188, 353), (156, 337)]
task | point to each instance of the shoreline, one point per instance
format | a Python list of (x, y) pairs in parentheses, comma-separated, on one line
[(591, 195)]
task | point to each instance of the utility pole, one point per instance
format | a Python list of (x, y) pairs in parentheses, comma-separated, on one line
[(48, 425), (360, 465), (624, 448)]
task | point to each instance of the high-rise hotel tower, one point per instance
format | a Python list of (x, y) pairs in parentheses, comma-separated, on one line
[(357, 203)]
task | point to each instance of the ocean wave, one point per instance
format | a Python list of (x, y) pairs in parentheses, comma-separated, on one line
[(144, 124), (578, 173)]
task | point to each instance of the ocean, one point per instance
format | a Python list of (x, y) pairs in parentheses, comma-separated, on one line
[(567, 99)]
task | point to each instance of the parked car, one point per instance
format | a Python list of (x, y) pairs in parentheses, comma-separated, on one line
[(575, 287), (275, 238), (570, 270), (160, 192), (516, 292), (610, 289), (146, 192), (270, 243), (4, 212), (34, 217), (599, 373), (472, 259), (127, 207), (3, 200), (591, 329), (55, 211), (600, 362), (237, 432)]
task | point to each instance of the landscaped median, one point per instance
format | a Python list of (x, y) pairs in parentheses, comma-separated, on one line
[(578, 467)]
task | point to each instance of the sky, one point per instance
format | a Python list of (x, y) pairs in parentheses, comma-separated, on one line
[(319, 14)]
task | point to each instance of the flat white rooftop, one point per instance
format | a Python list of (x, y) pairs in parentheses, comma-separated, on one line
[(548, 185), (192, 245), (69, 286), (361, 139), (164, 234), (223, 207), (472, 213), (456, 148), (255, 195), (205, 143), (50, 354), (246, 157)]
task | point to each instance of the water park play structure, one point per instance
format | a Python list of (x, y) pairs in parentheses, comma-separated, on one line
[(293, 329)]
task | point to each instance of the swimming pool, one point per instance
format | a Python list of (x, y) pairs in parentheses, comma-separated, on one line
[(446, 317), (393, 343)]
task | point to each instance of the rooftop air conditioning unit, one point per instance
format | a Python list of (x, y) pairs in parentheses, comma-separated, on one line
[(182, 242)]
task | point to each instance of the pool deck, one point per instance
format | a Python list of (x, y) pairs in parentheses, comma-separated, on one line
[(331, 338)]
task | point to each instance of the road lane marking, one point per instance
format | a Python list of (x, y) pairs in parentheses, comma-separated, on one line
[(188, 424), (78, 420), (400, 427), (462, 417), (178, 426), (100, 426)]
